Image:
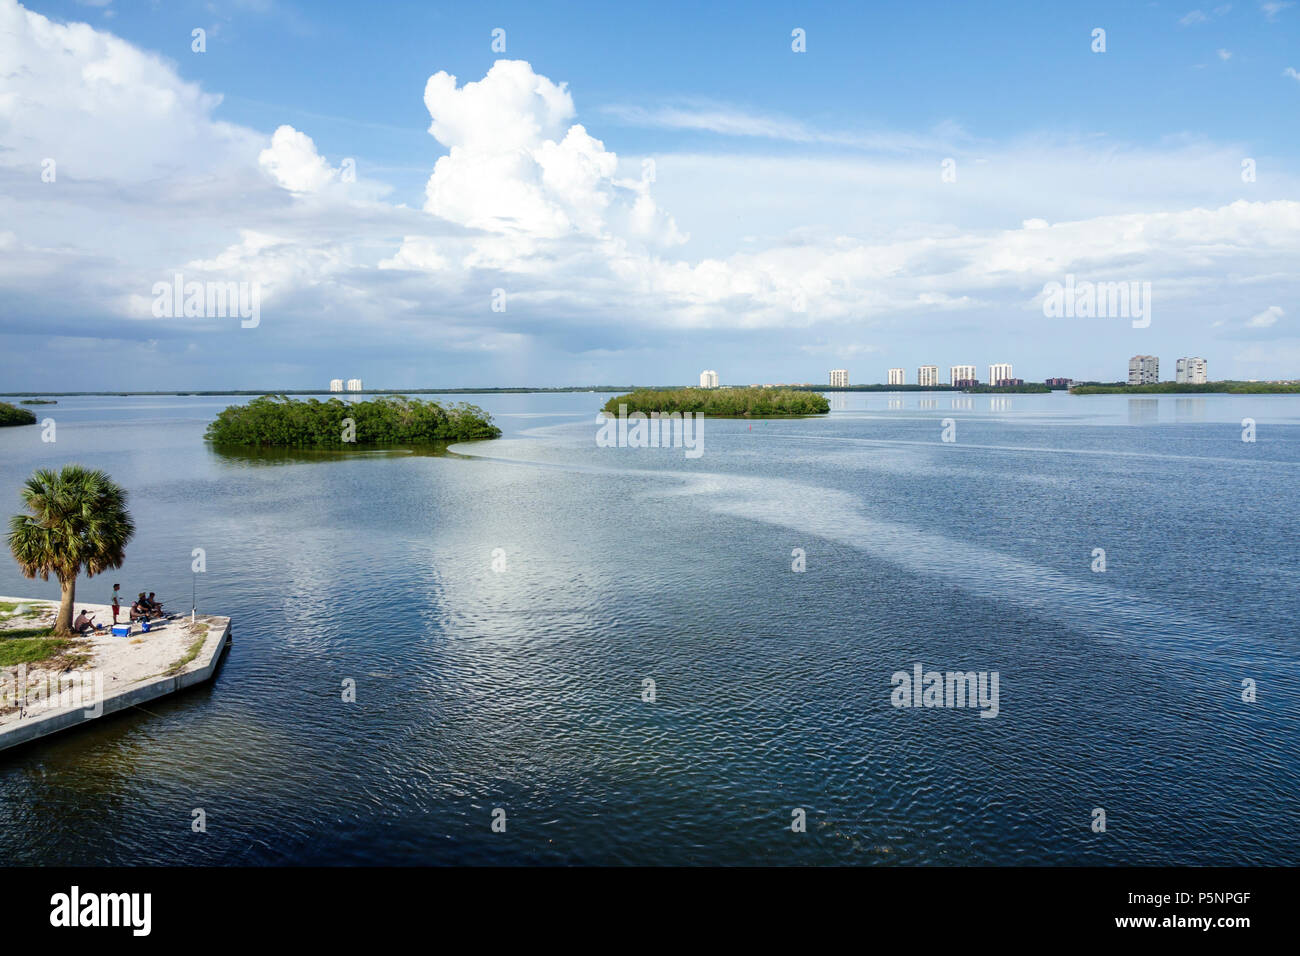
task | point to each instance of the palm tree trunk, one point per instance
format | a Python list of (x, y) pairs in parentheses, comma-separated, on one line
[(63, 623)]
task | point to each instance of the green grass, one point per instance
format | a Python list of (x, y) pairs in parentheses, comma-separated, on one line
[(723, 402), (189, 655), (33, 610), (29, 645)]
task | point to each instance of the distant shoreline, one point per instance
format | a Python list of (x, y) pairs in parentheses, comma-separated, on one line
[(1081, 388), (1187, 388), (324, 391)]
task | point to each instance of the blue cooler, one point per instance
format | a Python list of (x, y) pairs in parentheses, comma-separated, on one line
[(121, 630), (144, 625)]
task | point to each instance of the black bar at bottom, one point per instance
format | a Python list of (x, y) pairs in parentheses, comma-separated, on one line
[(333, 906)]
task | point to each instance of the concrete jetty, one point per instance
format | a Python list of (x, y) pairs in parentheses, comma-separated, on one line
[(98, 674)]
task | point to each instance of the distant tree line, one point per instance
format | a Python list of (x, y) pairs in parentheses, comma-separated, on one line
[(877, 387), (723, 402), (277, 420), (1178, 388), (1029, 388)]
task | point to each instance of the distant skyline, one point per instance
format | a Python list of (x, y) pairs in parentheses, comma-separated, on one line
[(631, 195)]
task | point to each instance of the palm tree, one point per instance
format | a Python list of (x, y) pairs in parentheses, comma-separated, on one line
[(78, 521)]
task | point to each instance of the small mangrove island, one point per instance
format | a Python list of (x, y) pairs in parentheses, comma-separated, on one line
[(1028, 388), (723, 402), (13, 415), (281, 421), (38, 401)]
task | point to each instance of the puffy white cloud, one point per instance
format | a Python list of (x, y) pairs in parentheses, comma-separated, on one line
[(514, 167), (102, 108), (292, 161)]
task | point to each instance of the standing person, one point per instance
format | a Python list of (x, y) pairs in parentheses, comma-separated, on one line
[(115, 602)]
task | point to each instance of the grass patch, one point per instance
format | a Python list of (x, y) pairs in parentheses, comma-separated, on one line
[(188, 656), (24, 632), (35, 645), (31, 649), (33, 610)]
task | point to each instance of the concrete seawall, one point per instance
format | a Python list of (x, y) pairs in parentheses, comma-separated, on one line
[(200, 669)]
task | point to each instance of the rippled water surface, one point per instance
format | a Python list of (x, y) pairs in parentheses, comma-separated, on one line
[(521, 688)]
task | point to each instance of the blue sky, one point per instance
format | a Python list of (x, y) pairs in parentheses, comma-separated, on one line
[(796, 219)]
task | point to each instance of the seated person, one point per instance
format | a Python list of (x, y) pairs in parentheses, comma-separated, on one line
[(154, 605), (140, 608), (84, 623)]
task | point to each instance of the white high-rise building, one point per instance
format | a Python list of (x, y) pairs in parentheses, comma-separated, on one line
[(1190, 370), (927, 376), (336, 385), (839, 378), (962, 375), (1000, 371), (1143, 370), (708, 378), (895, 376), (354, 385)]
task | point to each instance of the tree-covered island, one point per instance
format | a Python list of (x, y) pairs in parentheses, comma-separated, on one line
[(280, 421), (722, 402), (13, 415)]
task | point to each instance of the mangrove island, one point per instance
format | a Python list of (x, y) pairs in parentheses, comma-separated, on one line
[(280, 421), (13, 415), (722, 402)]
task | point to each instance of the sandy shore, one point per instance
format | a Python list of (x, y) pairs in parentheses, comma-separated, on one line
[(121, 663)]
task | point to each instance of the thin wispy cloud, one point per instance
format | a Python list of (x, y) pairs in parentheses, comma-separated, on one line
[(1266, 319), (1196, 17), (1274, 7), (725, 120)]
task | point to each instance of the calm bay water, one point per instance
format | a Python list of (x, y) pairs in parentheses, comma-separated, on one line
[(521, 688)]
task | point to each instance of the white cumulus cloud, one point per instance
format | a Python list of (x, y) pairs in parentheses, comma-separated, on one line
[(292, 161), (515, 165)]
